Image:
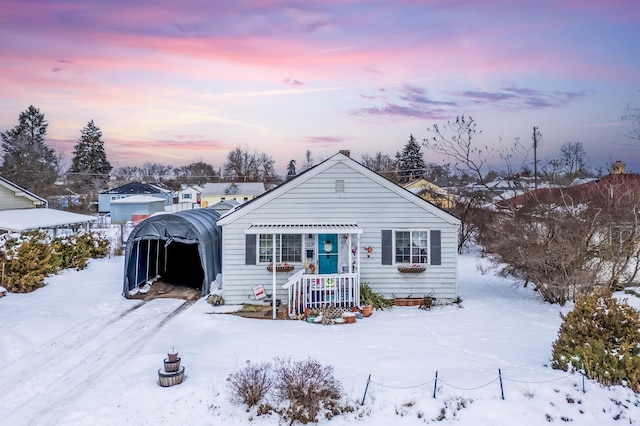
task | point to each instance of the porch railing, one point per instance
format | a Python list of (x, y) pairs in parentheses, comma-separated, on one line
[(321, 290)]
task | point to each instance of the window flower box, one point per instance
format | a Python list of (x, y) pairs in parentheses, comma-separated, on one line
[(280, 267), (411, 269)]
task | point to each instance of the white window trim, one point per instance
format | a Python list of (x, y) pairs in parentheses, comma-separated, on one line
[(410, 231), (269, 237)]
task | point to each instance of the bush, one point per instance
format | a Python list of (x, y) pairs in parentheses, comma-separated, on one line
[(306, 388), (27, 261), (369, 296), (30, 257), (603, 334), (252, 383), (309, 388)]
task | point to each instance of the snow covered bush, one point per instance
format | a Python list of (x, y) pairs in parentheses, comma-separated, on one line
[(252, 383), (26, 261), (304, 389), (30, 257), (309, 388), (603, 334)]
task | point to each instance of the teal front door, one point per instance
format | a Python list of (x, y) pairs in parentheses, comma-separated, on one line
[(327, 260)]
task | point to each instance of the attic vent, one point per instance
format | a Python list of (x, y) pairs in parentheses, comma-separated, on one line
[(340, 185)]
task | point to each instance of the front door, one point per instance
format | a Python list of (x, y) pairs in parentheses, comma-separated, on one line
[(327, 253)]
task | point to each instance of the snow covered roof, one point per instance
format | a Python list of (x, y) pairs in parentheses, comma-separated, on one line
[(137, 199), (24, 219)]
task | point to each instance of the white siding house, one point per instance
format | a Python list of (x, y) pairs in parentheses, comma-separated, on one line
[(338, 224)]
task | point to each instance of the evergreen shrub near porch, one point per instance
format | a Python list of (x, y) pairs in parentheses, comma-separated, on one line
[(28, 258)]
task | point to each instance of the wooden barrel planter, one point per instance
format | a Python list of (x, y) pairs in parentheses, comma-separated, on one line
[(173, 378), (171, 366)]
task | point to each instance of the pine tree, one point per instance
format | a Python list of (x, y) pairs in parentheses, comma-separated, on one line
[(27, 160), (89, 167), (410, 162)]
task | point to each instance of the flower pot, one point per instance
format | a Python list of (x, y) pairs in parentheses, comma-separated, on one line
[(171, 366), (349, 317), (173, 357), (170, 379), (367, 310)]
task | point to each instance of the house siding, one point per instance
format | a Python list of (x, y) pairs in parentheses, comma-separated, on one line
[(371, 205), (9, 200)]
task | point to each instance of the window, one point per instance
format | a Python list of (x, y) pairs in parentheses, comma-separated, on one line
[(412, 246), (186, 195), (288, 248)]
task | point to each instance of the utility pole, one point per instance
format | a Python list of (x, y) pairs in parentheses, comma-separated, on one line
[(536, 140)]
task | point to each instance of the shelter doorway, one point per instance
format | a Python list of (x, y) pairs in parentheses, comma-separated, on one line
[(169, 261)]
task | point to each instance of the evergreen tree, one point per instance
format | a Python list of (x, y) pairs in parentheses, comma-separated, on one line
[(89, 166), (27, 160), (410, 162)]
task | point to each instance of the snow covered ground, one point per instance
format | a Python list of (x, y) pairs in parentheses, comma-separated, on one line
[(77, 353)]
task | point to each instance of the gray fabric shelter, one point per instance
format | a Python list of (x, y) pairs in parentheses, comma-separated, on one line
[(183, 247)]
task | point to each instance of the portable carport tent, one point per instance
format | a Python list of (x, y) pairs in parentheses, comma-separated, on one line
[(175, 246)]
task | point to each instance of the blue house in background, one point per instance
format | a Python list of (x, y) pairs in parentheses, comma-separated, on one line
[(129, 190)]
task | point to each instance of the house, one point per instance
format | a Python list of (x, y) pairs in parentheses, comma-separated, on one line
[(190, 194), (13, 196), (329, 234), (135, 208), (21, 210), (129, 190), (222, 191), (430, 192)]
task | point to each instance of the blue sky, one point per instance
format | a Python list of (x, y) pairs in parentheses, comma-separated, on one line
[(177, 82)]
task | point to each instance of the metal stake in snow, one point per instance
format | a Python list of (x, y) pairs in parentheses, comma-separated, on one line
[(435, 385), (365, 390), (582, 374), (501, 388)]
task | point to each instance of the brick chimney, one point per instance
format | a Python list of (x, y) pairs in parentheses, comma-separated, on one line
[(618, 168)]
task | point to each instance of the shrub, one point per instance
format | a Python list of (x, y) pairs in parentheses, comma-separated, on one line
[(603, 334), (309, 388), (369, 296), (252, 383), (30, 257), (27, 262)]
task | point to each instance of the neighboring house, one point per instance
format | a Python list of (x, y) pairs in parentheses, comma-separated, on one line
[(129, 190), (223, 207), (190, 194), (430, 192), (21, 210), (13, 196), (326, 227), (135, 208), (239, 191)]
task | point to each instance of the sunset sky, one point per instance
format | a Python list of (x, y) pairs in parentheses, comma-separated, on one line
[(177, 81)]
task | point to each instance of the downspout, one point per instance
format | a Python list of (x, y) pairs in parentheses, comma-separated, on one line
[(273, 260)]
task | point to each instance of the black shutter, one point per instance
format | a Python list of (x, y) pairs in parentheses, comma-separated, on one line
[(387, 247), (250, 249), (435, 248)]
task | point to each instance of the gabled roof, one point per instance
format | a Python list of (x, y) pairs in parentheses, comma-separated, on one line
[(251, 205), (137, 199), (21, 192), (233, 188), (611, 185), (133, 188)]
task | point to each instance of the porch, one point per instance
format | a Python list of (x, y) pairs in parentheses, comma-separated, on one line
[(321, 291)]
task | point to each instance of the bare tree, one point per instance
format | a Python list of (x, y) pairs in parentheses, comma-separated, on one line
[(567, 241), (632, 116), (381, 164), (244, 166), (308, 161)]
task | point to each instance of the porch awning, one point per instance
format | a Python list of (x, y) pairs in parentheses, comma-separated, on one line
[(317, 228)]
